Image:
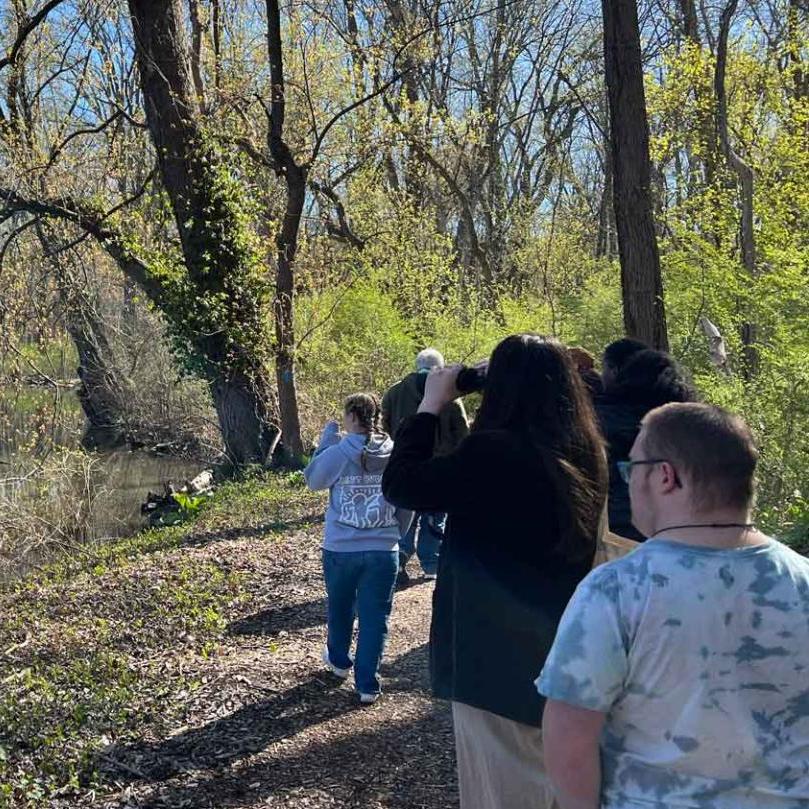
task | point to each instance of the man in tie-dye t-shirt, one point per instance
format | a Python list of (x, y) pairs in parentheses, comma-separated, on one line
[(680, 674)]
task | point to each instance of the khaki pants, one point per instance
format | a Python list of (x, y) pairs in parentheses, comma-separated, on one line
[(500, 762)]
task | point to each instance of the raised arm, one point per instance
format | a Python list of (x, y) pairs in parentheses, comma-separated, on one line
[(414, 479), (328, 462)]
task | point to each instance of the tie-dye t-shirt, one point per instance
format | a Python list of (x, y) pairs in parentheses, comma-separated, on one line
[(700, 659)]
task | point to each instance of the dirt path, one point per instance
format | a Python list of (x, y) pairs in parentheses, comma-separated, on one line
[(268, 727)]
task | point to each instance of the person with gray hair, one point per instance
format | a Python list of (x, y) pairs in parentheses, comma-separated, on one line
[(399, 402), (428, 359)]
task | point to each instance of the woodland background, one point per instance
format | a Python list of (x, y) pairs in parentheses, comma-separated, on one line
[(228, 215)]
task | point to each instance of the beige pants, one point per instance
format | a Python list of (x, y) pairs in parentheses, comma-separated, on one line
[(500, 762)]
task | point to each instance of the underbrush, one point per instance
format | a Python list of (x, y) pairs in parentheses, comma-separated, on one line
[(46, 509), (99, 647)]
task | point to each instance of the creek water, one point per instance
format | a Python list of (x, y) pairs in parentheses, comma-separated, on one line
[(39, 423)]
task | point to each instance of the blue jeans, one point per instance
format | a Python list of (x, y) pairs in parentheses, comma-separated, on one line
[(359, 583), (423, 539)]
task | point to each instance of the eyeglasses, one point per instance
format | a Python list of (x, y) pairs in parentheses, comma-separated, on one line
[(625, 468)]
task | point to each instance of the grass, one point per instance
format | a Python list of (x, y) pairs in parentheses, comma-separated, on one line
[(94, 648), (105, 647)]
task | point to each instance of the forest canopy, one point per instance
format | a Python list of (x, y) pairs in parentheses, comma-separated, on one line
[(260, 208)]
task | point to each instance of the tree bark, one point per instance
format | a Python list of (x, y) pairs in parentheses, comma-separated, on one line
[(294, 175), (797, 16), (100, 393), (216, 34), (196, 52), (641, 281), (605, 241), (103, 391), (208, 222), (246, 417), (690, 22), (745, 178)]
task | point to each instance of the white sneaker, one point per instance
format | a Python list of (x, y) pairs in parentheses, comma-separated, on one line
[(431, 576), (368, 699), (337, 672)]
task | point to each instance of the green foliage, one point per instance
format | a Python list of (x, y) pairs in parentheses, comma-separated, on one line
[(356, 340), (190, 504), (97, 648), (55, 357), (794, 524), (215, 294), (702, 269)]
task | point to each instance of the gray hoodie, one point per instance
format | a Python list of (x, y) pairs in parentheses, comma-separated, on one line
[(358, 517)]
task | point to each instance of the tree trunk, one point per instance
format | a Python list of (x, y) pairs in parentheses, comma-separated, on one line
[(294, 175), (745, 178), (246, 418), (103, 391), (402, 22), (706, 121), (216, 34), (196, 52), (641, 281), (220, 263), (689, 20), (285, 324), (605, 242), (797, 16)]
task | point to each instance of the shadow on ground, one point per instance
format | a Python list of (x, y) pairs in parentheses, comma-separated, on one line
[(246, 731), (202, 539), (289, 618), (398, 764), (392, 754)]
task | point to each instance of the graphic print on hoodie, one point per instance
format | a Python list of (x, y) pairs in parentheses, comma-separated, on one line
[(362, 504), (358, 517)]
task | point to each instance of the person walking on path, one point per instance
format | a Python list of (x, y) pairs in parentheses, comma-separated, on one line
[(680, 674), (360, 541), (399, 402), (524, 492), (645, 380)]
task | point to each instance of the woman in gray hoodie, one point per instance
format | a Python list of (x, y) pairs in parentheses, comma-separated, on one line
[(360, 541)]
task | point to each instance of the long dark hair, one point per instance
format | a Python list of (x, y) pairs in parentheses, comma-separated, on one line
[(533, 389), (652, 378)]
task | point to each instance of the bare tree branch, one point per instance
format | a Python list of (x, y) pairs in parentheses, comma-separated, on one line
[(92, 222), (364, 100), (343, 229), (26, 30)]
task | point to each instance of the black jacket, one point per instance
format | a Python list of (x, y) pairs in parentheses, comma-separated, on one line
[(620, 424), (501, 590), (403, 400)]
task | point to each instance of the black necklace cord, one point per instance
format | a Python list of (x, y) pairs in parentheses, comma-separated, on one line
[(745, 525)]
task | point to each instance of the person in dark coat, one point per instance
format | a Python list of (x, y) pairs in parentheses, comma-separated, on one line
[(400, 401), (647, 380), (524, 492), (616, 355)]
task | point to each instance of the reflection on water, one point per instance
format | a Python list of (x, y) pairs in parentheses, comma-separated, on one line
[(37, 421), (126, 478)]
